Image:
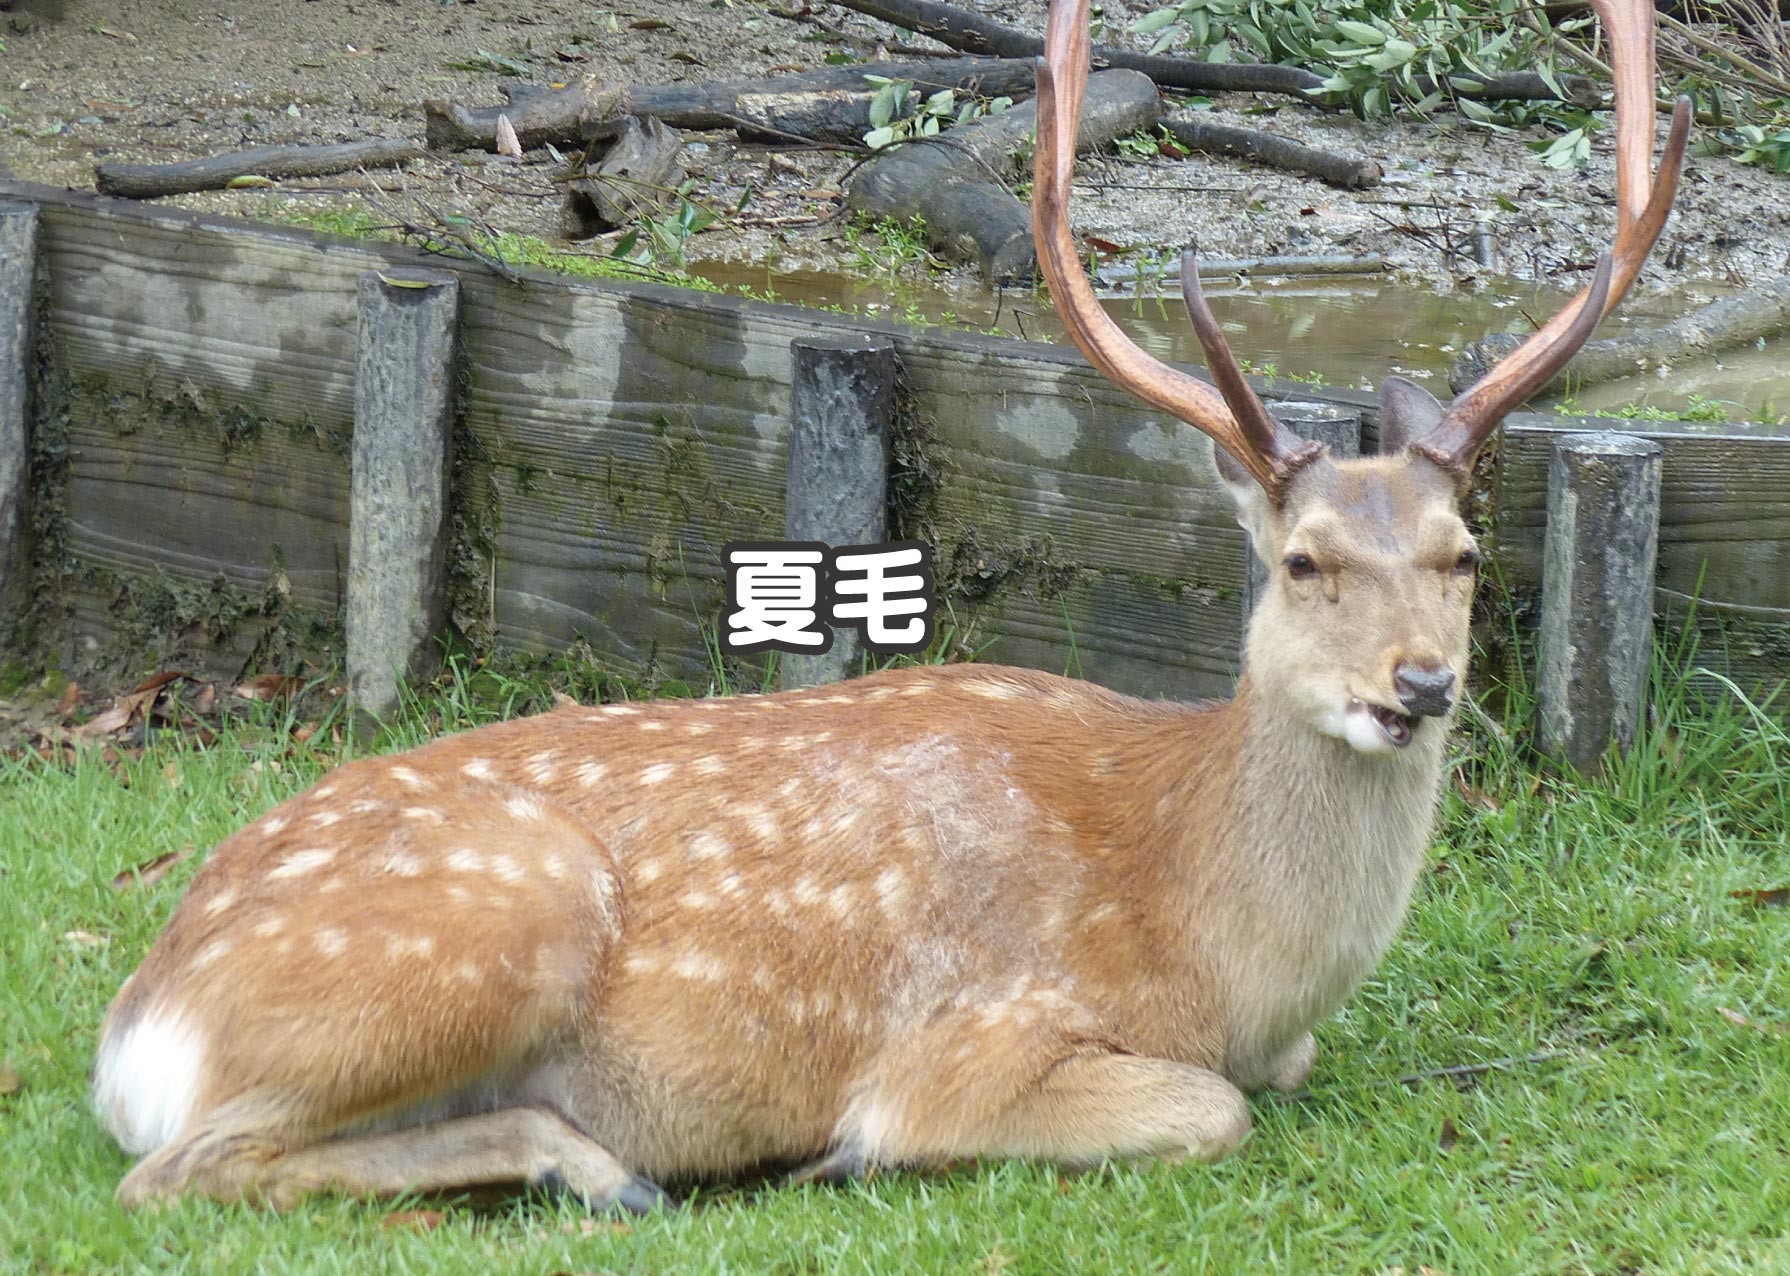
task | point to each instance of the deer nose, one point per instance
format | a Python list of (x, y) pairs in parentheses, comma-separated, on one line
[(1425, 693)]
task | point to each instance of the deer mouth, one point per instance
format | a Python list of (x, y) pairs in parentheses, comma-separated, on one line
[(1395, 726)]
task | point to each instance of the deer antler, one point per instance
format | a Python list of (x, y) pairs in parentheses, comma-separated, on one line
[(1643, 201), (1232, 414)]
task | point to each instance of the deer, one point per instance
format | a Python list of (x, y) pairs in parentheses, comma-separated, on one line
[(922, 917)]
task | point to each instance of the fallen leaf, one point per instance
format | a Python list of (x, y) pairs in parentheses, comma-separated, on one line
[(1449, 1136), (158, 681), (421, 1220), (250, 182), (71, 696), (1102, 245), (85, 939), (1741, 1021), (689, 59), (1777, 897), (207, 699), (562, 701), (1474, 796), (171, 775), (650, 24), (9, 1081), (304, 731), (273, 686), (508, 144), (152, 871)]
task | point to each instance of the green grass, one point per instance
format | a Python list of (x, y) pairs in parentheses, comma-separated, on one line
[(1594, 919)]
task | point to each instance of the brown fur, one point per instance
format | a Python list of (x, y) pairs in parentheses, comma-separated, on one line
[(925, 915)]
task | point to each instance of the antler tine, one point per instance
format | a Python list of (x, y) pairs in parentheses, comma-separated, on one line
[(1268, 453), (1644, 201), (1260, 430)]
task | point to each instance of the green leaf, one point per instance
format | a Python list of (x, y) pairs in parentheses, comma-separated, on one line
[(877, 138), (1154, 21), (1360, 32)]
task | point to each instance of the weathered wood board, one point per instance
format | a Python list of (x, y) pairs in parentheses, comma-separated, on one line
[(628, 430), (1724, 538), (620, 433)]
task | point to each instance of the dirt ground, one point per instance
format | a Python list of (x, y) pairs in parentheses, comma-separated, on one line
[(156, 80)]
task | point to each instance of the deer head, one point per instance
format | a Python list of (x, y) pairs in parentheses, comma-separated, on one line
[(1362, 632)]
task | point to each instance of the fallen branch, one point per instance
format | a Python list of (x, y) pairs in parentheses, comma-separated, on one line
[(955, 182), (1353, 172), (831, 104), (216, 172), (973, 33), (1454, 1072), (1124, 273), (1724, 325)]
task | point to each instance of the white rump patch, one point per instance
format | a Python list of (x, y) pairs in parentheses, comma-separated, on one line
[(146, 1079)]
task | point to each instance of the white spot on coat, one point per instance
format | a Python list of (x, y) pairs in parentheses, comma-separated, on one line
[(331, 941), (707, 846), (477, 769), (590, 774), (657, 773), (301, 862), (699, 966)]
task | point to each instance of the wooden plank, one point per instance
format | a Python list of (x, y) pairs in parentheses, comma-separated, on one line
[(18, 300), (161, 495), (630, 429), (398, 523), (1724, 537)]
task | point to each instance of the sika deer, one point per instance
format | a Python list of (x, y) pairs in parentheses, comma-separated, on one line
[(926, 915)]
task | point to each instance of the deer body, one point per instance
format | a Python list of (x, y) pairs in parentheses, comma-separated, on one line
[(739, 932), (920, 917)]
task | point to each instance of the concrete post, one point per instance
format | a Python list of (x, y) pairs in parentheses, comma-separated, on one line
[(398, 491), (842, 413), (1597, 593)]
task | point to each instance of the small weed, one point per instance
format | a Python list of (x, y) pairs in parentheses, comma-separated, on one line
[(887, 247), (899, 114)]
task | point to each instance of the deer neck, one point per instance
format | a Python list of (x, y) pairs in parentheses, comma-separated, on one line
[(1320, 852)]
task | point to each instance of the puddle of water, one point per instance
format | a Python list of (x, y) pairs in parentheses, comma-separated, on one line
[(1350, 332)]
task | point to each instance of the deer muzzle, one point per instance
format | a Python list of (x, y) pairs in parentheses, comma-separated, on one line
[(1424, 693)]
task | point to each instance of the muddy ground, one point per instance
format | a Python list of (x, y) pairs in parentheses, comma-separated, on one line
[(156, 80)]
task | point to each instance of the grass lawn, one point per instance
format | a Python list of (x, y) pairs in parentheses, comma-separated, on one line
[(1597, 923)]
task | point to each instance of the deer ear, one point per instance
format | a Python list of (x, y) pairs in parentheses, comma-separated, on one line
[(1407, 413), (1254, 509)]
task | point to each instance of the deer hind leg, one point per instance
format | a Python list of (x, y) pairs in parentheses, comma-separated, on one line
[(514, 1145), (449, 987), (1032, 1077)]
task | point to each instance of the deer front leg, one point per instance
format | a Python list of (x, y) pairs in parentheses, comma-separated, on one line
[(1007, 1081), (1293, 1069)]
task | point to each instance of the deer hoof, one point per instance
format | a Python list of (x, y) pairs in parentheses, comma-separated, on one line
[(643, 1196), (638, 1195), (837, 1166)]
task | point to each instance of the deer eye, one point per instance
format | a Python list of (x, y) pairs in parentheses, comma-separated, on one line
[(1299, 567), (1468, 562)]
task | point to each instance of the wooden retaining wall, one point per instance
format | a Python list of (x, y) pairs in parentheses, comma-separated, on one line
[(195, 395)]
